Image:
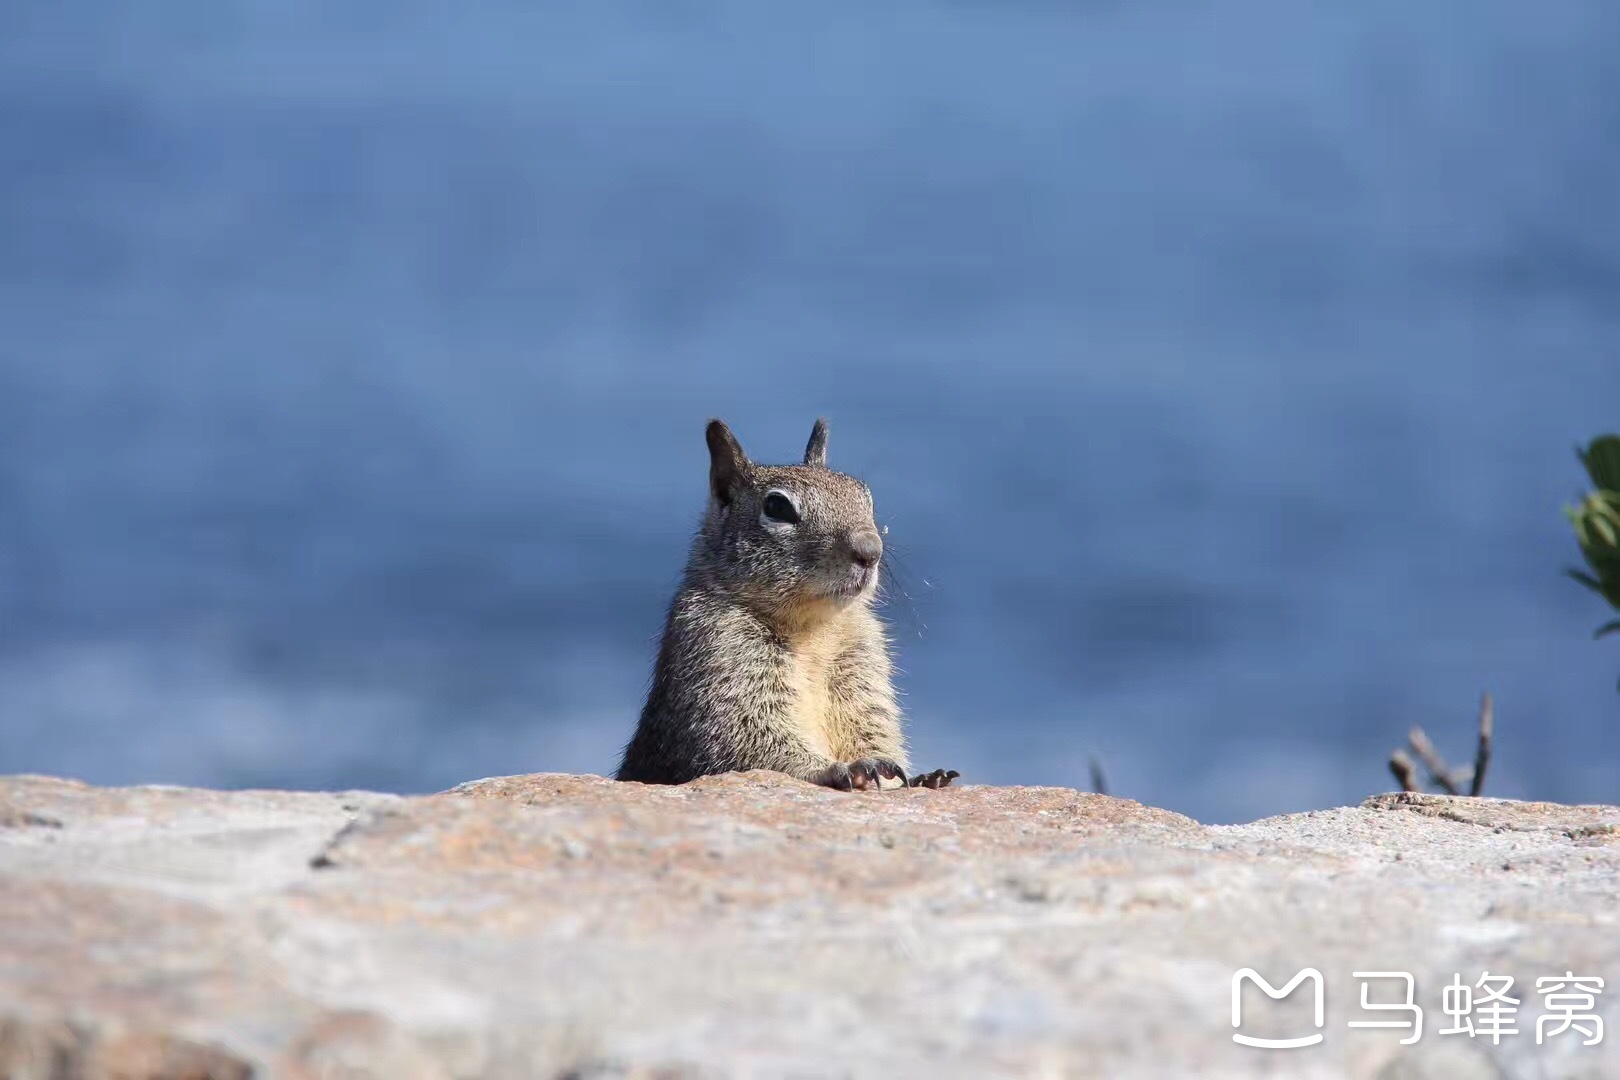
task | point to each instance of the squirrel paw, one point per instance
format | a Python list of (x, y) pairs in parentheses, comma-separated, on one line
[(867, 773), (937, 779)]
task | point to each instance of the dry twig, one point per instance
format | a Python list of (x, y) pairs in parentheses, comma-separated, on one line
[(1405, 772), (1442, 775), (1439, 771), (1099, 782), (1482, 756)]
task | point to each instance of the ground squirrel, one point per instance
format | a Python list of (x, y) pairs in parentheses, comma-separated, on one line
[(772, 657)]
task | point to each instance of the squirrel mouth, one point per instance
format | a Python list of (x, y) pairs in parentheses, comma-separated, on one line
[(852, 584)]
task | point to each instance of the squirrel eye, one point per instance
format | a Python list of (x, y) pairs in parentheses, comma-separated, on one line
[(778, 507)]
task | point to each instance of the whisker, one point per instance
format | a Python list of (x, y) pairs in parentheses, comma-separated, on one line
[(894, 585)]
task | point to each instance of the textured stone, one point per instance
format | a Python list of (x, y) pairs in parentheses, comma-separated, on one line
[(752, 925)]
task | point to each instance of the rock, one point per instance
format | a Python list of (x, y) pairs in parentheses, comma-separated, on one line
[(748, 924)]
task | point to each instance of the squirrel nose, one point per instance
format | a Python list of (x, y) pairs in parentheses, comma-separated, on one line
[(865, 547)]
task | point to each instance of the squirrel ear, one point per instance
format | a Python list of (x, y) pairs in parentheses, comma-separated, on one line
[(727, 462), (815, 453)]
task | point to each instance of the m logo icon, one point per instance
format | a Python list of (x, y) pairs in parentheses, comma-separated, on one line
[(1275, 995)]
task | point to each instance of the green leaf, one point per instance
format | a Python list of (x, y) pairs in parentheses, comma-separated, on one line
[(1585, 579), (1607, 628), (1604, 568), (1604, 528), (1602, 510), (1582, 537), (1602, 460)]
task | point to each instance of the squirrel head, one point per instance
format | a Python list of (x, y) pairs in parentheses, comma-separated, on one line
[(789, 537)]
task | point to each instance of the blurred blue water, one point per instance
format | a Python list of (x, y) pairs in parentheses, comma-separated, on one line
[(1216, 366)]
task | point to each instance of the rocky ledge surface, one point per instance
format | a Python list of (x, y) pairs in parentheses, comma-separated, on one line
[(751, 925)]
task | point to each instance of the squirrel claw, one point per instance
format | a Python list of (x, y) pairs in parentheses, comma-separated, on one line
[(937, 779), (872, 771), (862, 775)]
